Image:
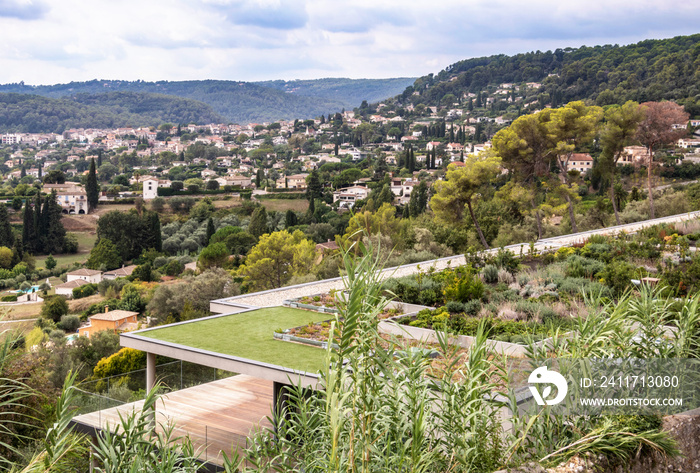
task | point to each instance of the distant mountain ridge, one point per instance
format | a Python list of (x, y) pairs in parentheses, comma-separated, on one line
[(36, 114), (349, 91), (231, 101)]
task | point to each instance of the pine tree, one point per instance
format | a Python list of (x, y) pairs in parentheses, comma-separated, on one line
[(7, 238), (211, 229), (92, 188)]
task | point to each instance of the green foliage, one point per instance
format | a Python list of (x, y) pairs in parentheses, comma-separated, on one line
[(143, 272), (104, 255), (130, 232), (214, 255), (124, 361), (490, 274), (130, 299), (85, 290), (468, 287), (580, 267), (174, 268), (54, 307), (69, 323), (169, 300), (258, 222), (50, 262), (92, 188), (618, 275)]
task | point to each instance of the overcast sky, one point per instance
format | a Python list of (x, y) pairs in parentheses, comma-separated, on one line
[(53, 41)]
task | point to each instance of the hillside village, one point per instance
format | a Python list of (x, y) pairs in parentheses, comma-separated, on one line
[(234, 157)]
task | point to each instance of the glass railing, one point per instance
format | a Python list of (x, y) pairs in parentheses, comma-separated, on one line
[(97, 402)]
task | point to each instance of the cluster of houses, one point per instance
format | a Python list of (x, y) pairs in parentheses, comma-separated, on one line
[(116, 320)]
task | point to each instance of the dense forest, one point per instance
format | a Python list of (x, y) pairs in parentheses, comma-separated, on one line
[(351, 92), (36, 114), (238, 102), (650, 70)]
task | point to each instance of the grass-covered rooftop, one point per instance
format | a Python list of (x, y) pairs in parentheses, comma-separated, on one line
[(250, 335)]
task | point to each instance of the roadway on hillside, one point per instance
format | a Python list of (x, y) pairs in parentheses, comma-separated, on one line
[(276, 297)]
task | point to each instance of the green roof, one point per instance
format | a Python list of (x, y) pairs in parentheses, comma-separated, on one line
[(250, 335)]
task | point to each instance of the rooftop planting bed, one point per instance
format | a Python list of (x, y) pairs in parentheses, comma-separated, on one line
[(249, 335)]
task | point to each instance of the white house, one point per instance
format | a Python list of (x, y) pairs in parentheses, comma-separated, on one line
[(581, 162), (73, 200), (66, 289), (122, 272), (349, 195), (151, 185), (90, 275)]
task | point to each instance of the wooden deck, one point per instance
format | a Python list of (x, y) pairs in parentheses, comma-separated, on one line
[(217, 416)]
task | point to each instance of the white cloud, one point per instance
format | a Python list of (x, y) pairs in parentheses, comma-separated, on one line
[(270, 39)]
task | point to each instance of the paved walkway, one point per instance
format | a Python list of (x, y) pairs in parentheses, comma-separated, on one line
[(276, 297)]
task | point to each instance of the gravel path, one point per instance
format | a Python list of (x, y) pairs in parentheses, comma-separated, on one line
[(276, 297)]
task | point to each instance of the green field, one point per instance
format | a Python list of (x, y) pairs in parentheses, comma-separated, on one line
[(250, 335), (85, 243)]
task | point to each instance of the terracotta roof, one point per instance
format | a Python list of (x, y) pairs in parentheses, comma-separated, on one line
[(113, 315), (329, 245), (72, 284), (121, 272), (84, 272)]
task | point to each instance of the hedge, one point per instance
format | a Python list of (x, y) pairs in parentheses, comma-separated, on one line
[(85, 290), (168, 192), (282, 196)]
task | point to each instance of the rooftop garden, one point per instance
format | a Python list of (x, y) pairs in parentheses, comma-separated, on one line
[(250, 335)]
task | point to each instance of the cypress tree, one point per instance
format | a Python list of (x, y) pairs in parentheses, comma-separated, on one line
[(17, 252), (99, 157), (290, 219), (211, 229), (22, 172), (55, 238), (92, 189), (154, 231), (28, 230), (7, 238), (40, 224), (39, 169), (258, 222)]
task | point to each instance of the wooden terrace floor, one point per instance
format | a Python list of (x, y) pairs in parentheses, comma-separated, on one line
[(216, 416)]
